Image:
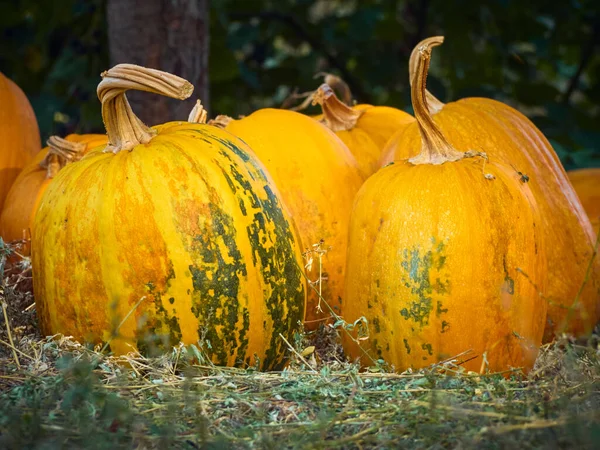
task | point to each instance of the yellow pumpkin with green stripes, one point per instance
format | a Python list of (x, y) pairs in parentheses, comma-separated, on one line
[(170, 234)]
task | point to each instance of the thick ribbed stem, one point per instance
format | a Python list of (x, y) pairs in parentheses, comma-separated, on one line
[(124, 129), (336, 115), (435, 149), (432, 102), (197, 114), (60, 153)]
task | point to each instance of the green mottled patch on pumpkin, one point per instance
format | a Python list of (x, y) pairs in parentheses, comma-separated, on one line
[(441, 287), (242, 154), (428, 348), (161, 330), (406, 346), (439, 311), (216, 285), (416, 272), (445, 326), (210, 138), (281, 270), (243, 336), (376, 325), (274, 252)]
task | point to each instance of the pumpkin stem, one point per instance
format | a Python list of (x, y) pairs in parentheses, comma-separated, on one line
[(220, 121), (432, 102), (123, 127), (336, 115), (435, 149), (339, 85), (332, 80), (60, 153), (197, 114)]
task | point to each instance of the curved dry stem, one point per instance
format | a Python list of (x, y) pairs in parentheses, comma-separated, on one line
[(338, 85), (435, 149), (220, 121), (336, 115), (123, 127), (198, 113), (433, 103), (60, 153)]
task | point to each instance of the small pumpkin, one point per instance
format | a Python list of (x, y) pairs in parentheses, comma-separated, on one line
[(170, 234), (586, 183), (365, 129), (19, 134), (24, 196), (478, 123), (318, 177), (435, 263)]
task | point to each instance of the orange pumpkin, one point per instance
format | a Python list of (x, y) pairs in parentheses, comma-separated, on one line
[(365, 129), (318, 178), (19, 134), (480, 124), (24, 196), (435, 252), (586, 183)]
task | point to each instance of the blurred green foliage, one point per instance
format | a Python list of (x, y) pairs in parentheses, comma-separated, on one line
[(541, 57)]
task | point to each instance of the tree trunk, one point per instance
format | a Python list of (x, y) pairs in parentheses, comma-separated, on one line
[(170, 35)]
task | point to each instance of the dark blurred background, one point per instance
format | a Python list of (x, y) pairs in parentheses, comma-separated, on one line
[(541, 57)]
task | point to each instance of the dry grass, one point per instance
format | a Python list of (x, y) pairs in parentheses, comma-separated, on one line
[(55, 393)]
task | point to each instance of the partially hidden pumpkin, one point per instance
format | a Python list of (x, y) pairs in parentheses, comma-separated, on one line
[(27, 190), (365, 129), (436, 249), (481, 124), (169, 234), (586, 183), (318, 178), (19, 134)]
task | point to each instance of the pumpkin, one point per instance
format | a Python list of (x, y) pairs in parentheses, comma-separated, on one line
[(480, 123), (19, 134), (586, 183), (318, 178), (169, 234), (434, 265), (24, 196), (365, 129)]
